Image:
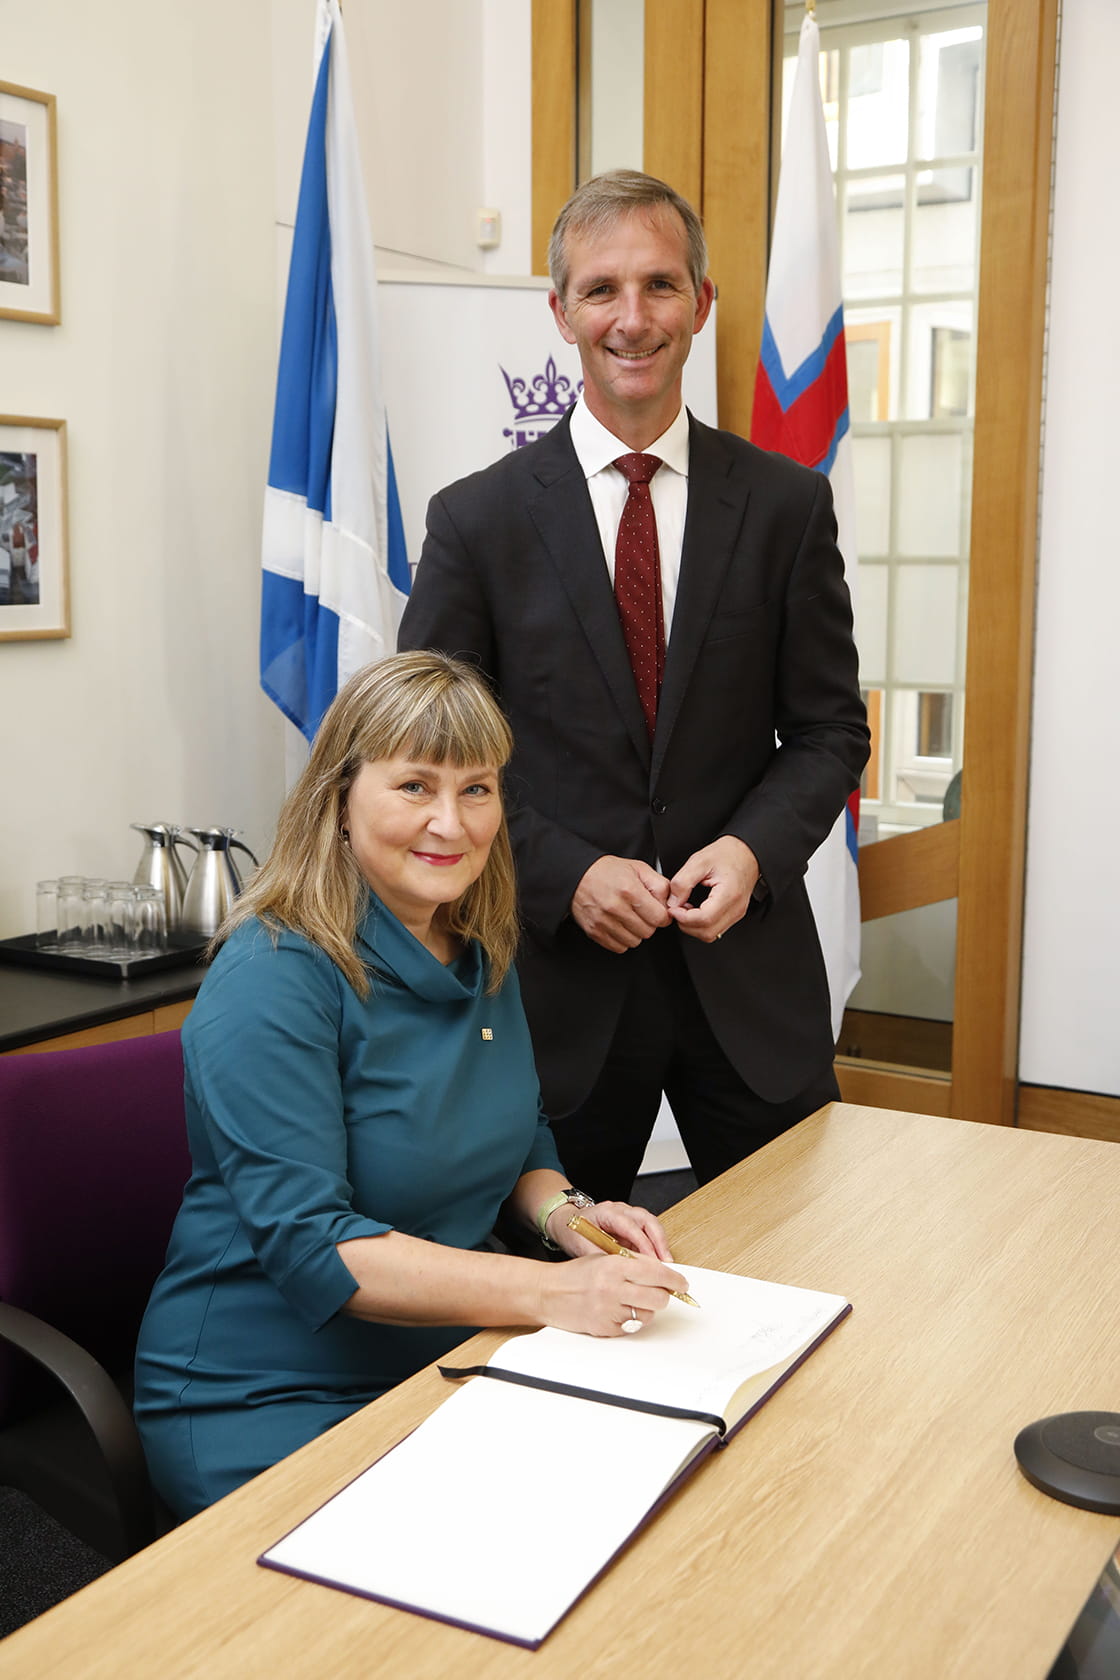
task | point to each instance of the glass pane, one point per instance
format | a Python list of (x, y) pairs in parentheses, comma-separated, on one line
[(871, 623), (617, 80), (871, 781), (868, 376), (903, 105), (878, 103), (880, 325), (871, 469), (951, 374), (872, 236), (907, 1041), (943, 252), (930, 514), (916, 779), (908, 964), (925, 629), (935, 725), (865, 371), (949, 92), (940, 359)]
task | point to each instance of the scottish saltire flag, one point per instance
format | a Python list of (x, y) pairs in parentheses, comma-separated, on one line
[(335, 571), (801, 409)]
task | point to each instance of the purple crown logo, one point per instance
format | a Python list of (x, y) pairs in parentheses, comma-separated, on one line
[(538, 403)]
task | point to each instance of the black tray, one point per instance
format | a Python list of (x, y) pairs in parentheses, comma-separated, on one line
[(182, 949)]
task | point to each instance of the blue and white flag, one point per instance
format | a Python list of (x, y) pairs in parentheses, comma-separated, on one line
[(801, 409), (335, 571)]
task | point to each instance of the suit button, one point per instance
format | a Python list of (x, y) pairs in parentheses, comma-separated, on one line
[(658, 807)]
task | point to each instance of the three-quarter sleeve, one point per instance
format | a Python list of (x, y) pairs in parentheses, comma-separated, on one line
[(262, 1060)]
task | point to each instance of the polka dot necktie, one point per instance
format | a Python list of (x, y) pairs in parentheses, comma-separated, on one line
[(637, 582)]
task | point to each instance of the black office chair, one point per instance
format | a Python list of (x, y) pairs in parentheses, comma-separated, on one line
[(82, 1461)]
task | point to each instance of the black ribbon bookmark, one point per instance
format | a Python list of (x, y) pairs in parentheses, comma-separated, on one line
[(454, 1372)]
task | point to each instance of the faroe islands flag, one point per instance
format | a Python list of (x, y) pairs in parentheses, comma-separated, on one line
[(801, 409), (335, 571)]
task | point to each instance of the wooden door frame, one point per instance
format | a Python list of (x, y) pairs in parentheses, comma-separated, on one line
[(710, 114), (553, 81)]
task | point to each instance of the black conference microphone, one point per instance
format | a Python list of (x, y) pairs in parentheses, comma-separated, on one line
[(1075, 1457)]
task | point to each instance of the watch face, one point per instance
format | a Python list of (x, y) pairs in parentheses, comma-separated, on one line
[(579, 1198)]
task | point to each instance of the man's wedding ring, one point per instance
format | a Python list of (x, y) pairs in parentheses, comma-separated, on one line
[(632, 1323)]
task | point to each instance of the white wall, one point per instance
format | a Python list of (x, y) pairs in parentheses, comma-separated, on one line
[(181, 131), (442, 94), (507, 131), (1071, 965), (162, 368)]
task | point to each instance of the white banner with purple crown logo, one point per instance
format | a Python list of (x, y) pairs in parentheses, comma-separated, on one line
[(474, 368)]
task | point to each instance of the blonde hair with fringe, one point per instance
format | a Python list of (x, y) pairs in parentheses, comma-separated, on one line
[(423, 706)]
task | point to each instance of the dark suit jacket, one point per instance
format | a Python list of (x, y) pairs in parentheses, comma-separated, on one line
[(512, 577)]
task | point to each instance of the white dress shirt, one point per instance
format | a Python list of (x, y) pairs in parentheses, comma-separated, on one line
[(597, 450)]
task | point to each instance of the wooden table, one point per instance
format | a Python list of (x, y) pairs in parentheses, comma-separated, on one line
[(870, 1521)]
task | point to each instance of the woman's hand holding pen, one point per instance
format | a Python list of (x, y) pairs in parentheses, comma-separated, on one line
[(634, 1227), (600, 1294), (608, 1294)]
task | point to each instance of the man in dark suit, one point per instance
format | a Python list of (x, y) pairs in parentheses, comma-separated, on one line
[(664, 804)]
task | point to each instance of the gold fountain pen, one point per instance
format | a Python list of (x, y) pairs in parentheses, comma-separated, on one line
[(610, 1245)]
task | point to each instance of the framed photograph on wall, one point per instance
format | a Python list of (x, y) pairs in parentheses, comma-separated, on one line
[(28, 206), (34, 568)]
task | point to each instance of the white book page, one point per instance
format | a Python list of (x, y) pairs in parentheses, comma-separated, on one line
[(465, 1519), (694, 1357)]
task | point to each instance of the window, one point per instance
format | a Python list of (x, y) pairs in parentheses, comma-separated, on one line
[(904, 119)]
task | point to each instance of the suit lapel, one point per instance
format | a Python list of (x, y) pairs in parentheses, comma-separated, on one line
[(561, 510), (717, 501)]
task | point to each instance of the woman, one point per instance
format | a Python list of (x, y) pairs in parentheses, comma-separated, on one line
[(362, 1104)]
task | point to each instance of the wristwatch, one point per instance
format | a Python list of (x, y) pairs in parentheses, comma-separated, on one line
[(576, 1198)]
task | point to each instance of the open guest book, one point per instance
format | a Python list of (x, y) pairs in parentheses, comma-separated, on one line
[(504, 1506)]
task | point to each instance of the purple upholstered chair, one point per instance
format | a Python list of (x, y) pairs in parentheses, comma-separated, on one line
[(93, 1159)]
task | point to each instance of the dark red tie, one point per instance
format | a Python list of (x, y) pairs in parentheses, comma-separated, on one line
[(637, 582)]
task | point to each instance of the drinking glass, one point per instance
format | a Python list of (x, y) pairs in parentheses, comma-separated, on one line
[(46, 914), (151, 921), (121, 919), (95, 923), (71, 913)]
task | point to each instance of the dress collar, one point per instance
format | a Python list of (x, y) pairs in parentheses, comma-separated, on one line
[(387, 944)]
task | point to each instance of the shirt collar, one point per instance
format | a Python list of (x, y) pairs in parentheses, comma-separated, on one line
[(596, 448)]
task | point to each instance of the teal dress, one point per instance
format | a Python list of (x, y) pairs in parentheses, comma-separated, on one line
[(315, 1117)]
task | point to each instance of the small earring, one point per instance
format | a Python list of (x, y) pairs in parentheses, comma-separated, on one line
[(344, 836)]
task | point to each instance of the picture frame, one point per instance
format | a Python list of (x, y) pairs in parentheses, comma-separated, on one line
[(29, 284), (34, 558)]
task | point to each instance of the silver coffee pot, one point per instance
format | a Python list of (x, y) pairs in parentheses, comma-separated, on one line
[(160, 867), (214, 881)]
